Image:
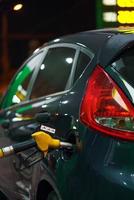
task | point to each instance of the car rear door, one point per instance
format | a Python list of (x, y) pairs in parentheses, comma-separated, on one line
[(50, 83), (64, 162)]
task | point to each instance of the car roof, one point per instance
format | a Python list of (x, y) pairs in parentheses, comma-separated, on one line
[(105, 43), (85, 38)]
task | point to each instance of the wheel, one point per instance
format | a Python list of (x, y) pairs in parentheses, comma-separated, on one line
[(52, 196)]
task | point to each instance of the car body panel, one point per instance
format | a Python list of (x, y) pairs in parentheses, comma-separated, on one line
[(102, 166)]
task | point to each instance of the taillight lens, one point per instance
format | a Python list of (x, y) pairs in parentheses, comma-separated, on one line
[(106, 108)]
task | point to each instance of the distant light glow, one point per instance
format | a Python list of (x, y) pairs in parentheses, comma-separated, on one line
[(110, 16), (72, 92), (124, 183), (36, 50), (125, 3), (113, 13), (17, 7), (69, 60), (15, 99), (42, 67), (125, 17), (109, 2), (47, 98), (64, 102), (57, 40), (20, 89), (16, 119), (44, 106)]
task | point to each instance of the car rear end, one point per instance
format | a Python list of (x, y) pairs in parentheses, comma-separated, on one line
[(107, 110)]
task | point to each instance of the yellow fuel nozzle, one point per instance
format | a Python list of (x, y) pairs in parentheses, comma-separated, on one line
[(44, 141), (1, 153)]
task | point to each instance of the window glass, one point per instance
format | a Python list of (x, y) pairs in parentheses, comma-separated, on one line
[(54, 72), (19, 86), (82, 62), (125, 65)]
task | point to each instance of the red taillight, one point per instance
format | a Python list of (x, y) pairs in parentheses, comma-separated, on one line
[(106, 108)]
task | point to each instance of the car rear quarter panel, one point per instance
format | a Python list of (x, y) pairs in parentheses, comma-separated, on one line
[(103, 168)]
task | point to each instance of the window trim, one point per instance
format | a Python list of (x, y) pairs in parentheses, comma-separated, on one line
[(78, 48), (86, 52), (70, 80)]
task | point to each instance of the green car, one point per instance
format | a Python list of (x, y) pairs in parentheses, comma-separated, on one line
[(81, 87)]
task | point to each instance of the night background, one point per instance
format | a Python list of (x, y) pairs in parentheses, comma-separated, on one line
[(44, 20), (38, 22), (22, 31)]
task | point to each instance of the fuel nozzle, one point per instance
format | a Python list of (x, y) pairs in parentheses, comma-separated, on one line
[(45, 142), (41, 140)]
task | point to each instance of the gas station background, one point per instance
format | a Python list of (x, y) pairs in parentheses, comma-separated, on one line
[(25, 29)]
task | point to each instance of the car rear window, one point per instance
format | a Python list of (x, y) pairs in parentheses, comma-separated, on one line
[(125, 65)]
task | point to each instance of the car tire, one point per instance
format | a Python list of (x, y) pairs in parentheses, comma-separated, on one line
[(52, 196)]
